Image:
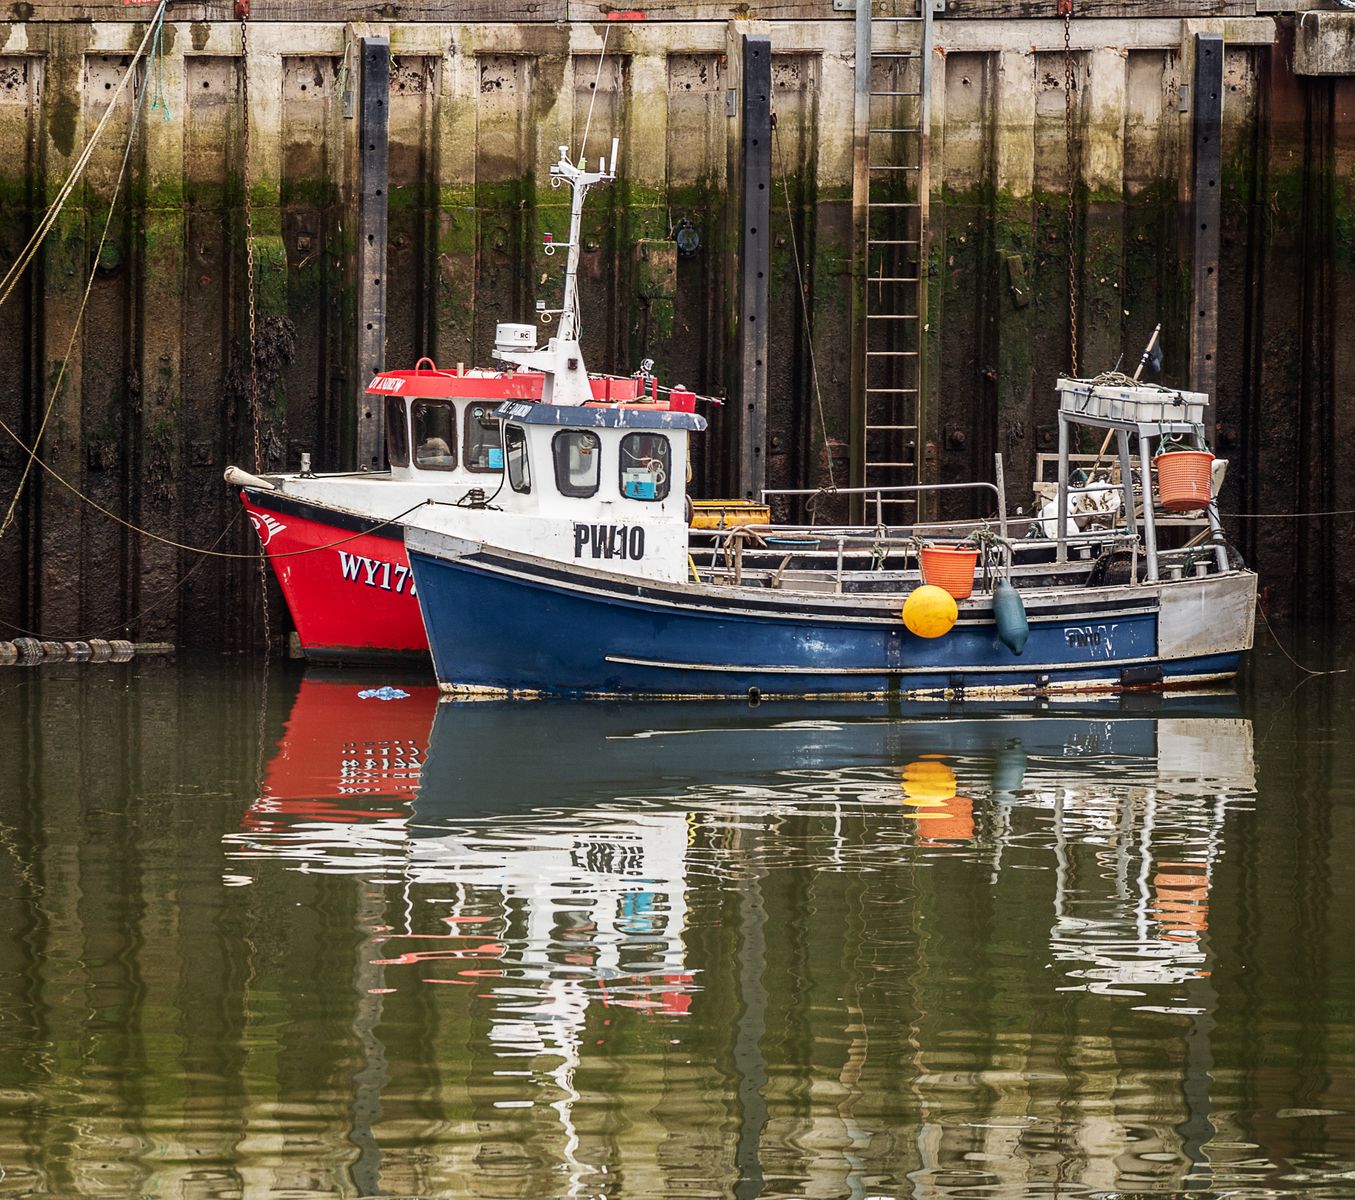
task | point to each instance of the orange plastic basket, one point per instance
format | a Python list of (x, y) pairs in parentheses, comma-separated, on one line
[(1184, 479), (950, 567)]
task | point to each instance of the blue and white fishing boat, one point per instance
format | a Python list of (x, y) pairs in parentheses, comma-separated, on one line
[(628, 612)]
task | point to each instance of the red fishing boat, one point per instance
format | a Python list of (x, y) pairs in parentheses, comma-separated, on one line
[(335, 540)]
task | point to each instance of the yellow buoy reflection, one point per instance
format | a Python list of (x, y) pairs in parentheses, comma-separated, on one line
[(930, 792), (928, 780), (929, 611)]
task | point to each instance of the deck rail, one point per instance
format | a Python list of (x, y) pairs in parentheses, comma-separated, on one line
[(879, 493), (737, 537)]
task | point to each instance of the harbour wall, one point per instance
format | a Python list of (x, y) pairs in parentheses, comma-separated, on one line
[(153, 401)]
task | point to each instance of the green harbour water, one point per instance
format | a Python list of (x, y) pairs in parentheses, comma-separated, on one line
[(269, 938)]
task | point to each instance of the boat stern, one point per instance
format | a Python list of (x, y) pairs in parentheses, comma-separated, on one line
[(1212, 615)]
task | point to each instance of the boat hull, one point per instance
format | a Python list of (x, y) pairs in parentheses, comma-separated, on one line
[(559, 630), (352, 597)]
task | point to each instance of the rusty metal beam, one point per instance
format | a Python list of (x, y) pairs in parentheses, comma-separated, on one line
[(755, 264), (1206, 206), (373, 185)]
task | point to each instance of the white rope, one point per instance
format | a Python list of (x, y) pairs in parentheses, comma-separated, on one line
[(133, 125), (588, 124), (12, 276)]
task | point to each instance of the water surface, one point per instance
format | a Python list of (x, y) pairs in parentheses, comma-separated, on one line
[(300, 943)]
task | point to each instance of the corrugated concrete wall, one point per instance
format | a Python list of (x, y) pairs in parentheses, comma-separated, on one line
[(1000, 316), (152, 406)]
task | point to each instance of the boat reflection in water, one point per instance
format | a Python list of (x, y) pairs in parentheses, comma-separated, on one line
[(343, 774), (559, 871)]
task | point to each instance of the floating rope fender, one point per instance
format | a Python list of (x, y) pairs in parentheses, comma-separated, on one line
[(1010, 613)]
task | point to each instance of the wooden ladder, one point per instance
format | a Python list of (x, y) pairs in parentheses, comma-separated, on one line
[(890, 184)]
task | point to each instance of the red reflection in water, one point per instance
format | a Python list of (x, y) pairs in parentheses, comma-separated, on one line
[(338, 752)]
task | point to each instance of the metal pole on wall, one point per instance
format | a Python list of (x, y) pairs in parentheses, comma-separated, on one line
[(373, 131), (755, 264), (1206, 205)]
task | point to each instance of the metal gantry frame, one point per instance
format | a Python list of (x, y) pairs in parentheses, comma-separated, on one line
[(890, 190), (1145, 431)]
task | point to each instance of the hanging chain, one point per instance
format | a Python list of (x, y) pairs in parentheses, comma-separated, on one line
[(255, 413), (1069, 88), (256, 417)]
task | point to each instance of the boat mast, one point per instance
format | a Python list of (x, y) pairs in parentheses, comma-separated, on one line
[(565, 379), (580, 179)]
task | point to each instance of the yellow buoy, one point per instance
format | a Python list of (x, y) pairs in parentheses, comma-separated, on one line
[(927, 782), (929, 611)]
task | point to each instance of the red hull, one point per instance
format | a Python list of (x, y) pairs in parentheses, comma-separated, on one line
[(354, 600)]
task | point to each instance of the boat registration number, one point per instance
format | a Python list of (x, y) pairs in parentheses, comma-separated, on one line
[(609, 541), (1092, 637), (388, 577)]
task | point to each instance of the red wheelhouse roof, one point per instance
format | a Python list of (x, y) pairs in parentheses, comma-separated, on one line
[(434, 384)]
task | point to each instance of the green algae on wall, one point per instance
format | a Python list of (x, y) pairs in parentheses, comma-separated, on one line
[(476, 114)]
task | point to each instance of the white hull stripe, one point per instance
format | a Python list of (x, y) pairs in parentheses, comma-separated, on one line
[(976, 671), (997, 691), (1104, 610)]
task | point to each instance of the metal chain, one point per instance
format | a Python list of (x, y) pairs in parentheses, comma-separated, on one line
[(1069, 84), (255, 414)]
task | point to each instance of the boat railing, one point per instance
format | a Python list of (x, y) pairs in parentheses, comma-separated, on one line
[(879, 493), (789, 538)]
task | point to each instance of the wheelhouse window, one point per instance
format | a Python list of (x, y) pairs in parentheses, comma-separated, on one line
[(578, 461), (397, 432), (434, 436), (515, 455), (645, 466), (484, 442)]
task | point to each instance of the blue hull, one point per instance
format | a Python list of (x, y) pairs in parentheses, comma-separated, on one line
[(499, 622)]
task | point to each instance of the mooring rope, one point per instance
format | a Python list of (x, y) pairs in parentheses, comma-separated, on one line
[(155, 537), (163, 598), (1292, 516), (26, 255), (84, 299), (804, 307), (597, 78), (1275, 638)]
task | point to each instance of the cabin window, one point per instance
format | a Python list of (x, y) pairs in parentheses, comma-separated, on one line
[(578, 461), (484, 442), (397, 432), (645, 466), (435, 436), (515, 454)]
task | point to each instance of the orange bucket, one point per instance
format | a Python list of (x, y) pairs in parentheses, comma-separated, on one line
[(1184, 479), (951, 568)]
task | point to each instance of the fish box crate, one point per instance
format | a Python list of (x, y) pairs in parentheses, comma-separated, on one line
[(725, 514), (1136, 403)]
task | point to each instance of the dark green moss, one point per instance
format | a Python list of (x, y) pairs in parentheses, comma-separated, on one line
[(270, 276), (63, 111), (301, 193)]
